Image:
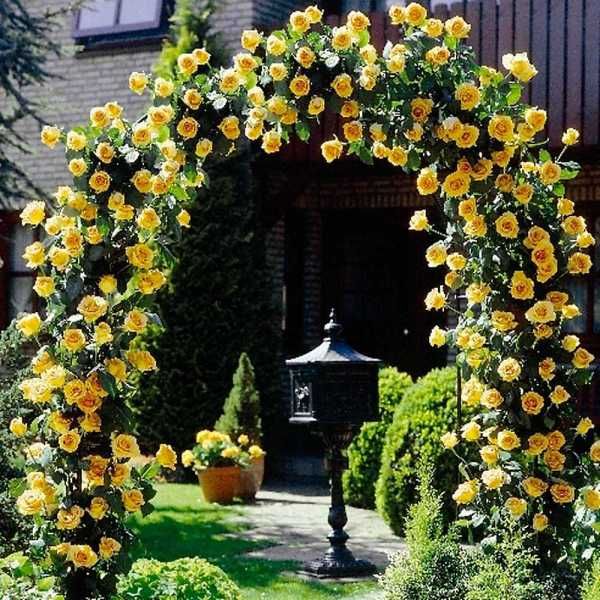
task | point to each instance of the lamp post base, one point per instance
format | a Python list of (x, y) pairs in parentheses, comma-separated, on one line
[(340, 563)]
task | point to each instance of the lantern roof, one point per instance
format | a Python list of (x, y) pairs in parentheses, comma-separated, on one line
[(333, 349)]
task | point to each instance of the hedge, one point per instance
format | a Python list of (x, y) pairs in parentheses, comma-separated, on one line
[(364, 454)]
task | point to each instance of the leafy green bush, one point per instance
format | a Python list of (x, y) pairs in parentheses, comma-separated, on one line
[(219, 305), (21, 578), (426, 412), (364, 453), (241, 412), (435, 567), (181, 579), (14, 363), (591, 584)]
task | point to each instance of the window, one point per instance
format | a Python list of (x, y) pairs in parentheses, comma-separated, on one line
[(16, 280), (103, 20)]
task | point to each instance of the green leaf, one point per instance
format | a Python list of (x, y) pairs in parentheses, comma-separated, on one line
[(514, 95), (45, 584), (163, 134), (568, 174), (363, 38), (17, 486), (545, 155), (302, 131)]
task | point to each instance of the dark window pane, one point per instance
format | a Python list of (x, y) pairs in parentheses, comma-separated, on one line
[(578, 291), (21, 238), (97, 13), (20, 296), (139, 11), (596, 259)]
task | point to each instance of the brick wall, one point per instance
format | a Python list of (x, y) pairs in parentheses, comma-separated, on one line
[(91, 78)]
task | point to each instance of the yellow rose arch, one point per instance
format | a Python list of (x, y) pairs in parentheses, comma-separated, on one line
[(422, 104)]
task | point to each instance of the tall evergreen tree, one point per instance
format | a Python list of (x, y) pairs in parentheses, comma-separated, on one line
[(241, 412), (26, 45)]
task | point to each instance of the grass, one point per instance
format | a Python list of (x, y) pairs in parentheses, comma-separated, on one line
[(184, 525)]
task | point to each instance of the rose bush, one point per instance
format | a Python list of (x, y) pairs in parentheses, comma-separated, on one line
[(424, 105)]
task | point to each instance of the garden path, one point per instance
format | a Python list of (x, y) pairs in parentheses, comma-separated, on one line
[(297, 515)]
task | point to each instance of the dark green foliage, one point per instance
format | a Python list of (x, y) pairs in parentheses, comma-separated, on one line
[(181, 579), (435, 567), (426, 412), (190, 28), (14, 362), (364, 454), (241, 412), (218, 305), (26, 45)]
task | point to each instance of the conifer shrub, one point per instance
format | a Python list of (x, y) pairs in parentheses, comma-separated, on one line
[(364, 453), (241, 411)]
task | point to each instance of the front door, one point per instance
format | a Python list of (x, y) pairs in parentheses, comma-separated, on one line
[(375, 275)]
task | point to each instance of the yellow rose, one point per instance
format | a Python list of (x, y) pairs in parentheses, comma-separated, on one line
[(427, 181), (120, 474), (534, 486), (138, 82), (570, 137), (82, 556), (166, 457), (565, 206), (397, 156), (187, 128), (202, 56), (419, 221), (456, 184), (471, 431), (107, 284), (29, 324), (433, 27), (90, 422), (142, 360), (591, 499), (522, 287), (69, 518), (516, 507), (34, 255), (50, 136), (73, 339), (397, 14), (31, 502), (108, 547), (314, 14), (17, 427), (98, 508), (477, 292), (271, 142), (491, 398), (509, 369), (415, 14), (276, 45), (92, 308), (489, 454), (135, 322), (133, 500), (523, 193), (582, 358), (332, 150), (579, 264), (436, 254), (341, 38), (100, 181), (251, 39), (187, 458), (230, 127), (532, 403), (584, 426), (140, 256), (33, 213), (203, 148), (125, 446), (187, 63), (457, 27), (570, 311), (466, 492), (494, 479), (342, 85), (435, 299), (536, 118), (554, 459), (595, 451), (519, 66), (508, 440), (437, 337), (501, 127), (539, 522), (537, 443), (299, 22), (69, 441), (562, 493), (103, 334), (468, 95), (541, 312)]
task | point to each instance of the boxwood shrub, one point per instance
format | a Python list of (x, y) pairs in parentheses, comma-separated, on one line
[(177, 580), (427, 411), (364, 454)]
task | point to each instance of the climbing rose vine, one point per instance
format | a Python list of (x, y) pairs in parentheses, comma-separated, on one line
[(510, 241)]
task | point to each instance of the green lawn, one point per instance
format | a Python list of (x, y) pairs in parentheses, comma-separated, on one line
[(184, 525)]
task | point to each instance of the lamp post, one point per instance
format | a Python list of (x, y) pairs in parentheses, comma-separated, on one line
[(335, 388)]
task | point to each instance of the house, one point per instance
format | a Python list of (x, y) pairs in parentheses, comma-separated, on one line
[(337, 235)]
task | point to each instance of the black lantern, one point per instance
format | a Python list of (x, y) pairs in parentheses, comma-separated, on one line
[(336, 388)]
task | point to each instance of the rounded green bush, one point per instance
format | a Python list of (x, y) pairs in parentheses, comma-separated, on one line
[(181, 579), (364, 453), (426, 412)]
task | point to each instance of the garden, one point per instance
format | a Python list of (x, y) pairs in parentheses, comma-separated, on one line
[(487, 468)]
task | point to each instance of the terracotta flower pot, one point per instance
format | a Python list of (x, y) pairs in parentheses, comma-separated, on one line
[(220, 484), (251, 478)]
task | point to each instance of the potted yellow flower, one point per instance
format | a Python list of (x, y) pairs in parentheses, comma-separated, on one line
[(251, 477), (218, 463)]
